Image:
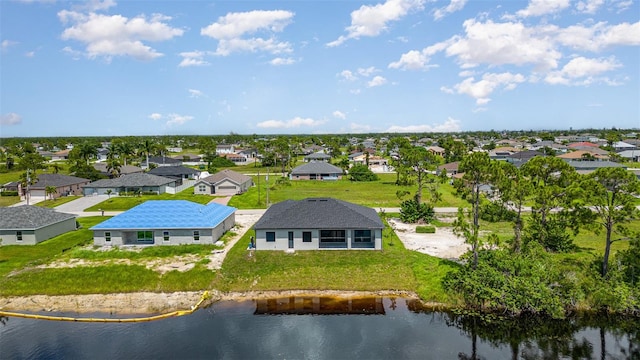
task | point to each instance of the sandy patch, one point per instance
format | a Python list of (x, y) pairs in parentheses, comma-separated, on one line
[(443, 244)]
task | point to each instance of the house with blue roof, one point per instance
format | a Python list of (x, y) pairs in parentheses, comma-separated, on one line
[(166, 222)]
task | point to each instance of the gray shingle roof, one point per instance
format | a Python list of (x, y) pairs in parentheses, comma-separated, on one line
[(227, 174), (316, 167), (131, 180), (57, 180), (173, 171), (319, 213), (30, 217)]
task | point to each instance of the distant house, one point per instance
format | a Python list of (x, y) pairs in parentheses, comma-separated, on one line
[(319, 156), (29, 225), (237, 159), (124, 169), (225, 182), (436, 150), (60, 155), (65, 185), (317, 170), (166, 222), (583, 155), (159, 161), (178, 173), (130, 183), (586, 167), (630, 155), (318, 223), (450, 168), (225, 149), (522, 157)]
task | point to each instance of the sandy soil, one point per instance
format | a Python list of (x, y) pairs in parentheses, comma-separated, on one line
[(444, 243), (441, 244)]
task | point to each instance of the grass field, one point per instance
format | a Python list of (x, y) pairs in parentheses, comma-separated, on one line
[(121, 203)]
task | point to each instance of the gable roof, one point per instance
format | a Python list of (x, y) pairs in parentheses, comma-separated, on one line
[(168, 214), (131, 180), (318, 155), (124, 169), (30, 217), (173, 171), (162, 160), (316, 167), (318, 213), (226, 175), (57, 180), (525, 155)]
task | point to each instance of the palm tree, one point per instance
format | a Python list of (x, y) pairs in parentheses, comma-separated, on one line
[(147, 147), (50, 190), (55, 167), (113, 167), (109, 191)]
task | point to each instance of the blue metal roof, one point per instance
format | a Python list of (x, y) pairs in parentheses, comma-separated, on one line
[(168, 214)]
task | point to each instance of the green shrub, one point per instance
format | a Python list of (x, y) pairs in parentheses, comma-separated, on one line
[(361, 173), (9, 193), (425, 229), (412, 212)]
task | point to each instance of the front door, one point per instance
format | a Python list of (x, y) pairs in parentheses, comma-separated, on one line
[(290, 239)]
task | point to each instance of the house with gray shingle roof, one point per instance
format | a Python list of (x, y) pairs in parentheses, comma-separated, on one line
[(142, 182), (64, 184), (29, 224), (225, 182), (318, 224), (166, 222), (316, 170), (318, 156)]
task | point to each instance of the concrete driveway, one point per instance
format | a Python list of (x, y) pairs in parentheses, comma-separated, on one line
[(78, 205)]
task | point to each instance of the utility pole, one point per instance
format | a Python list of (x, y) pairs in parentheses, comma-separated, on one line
[(267, 178), (258, 187)]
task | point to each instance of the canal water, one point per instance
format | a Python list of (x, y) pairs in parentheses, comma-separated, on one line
[(322, 328)]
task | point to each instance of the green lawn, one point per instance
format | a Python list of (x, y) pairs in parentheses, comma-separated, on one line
[(9, 200), (375, 194), (121, 203), (57, 202)]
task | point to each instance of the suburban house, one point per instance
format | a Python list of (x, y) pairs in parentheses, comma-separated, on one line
[(29, 225), (318, 223), (124, 169), (179, 173), (61, 155), (225, 182), (316, 170), (587, 167), (159, 161), (522, 157), (131, 183), (436, 150), (225, 149), (450, 168), (630, 155), (166, 222), (65, 185), (235, 158), (583, 155), (319, 156)]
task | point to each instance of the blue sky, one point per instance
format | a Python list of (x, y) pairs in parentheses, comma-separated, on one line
[(304, 67)]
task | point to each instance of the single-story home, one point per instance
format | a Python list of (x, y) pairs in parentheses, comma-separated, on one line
[(166, 222), (318, 223), (29, 224), (225, 182), (160, 161), (178, 173), (319, 156), (124, 169), (130, 183), (65, 185), (316, 170), (450, 168)]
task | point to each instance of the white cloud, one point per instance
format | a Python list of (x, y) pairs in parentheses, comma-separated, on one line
[(177, 119), (94, 5), (155, 116), (230, 29), (579, 68), (482, 89), (371, 20), (360, 128), (282, 61), (347, 75), (115, 35), (589, 6), (450, 125), (454, 5), (193, 58), (10, 119), (293, 123), (418, 60), (339, 114), (599, 36), (543, 7), (377, 81), (8, 43), (195, 93), (366, 72)]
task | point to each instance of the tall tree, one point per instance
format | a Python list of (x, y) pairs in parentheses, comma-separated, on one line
[(611, 193), (476, 169), (553, 202), (513, 190), (419, 163)]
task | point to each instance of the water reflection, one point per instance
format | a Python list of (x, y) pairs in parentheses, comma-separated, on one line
[(318, 305)]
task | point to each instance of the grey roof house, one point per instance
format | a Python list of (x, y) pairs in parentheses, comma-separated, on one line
[(132, 182), (316, 170), (124, 169), (319, 156), (29, 225), (318, 223), (64, 184), (225, 182), (178, 173)]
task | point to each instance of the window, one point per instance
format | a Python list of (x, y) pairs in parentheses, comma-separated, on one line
[(362, 235), (306, 236), (165, 235), (196, 235), (202, 188), (107, 236), (18, 235), (333, 236), (145, 236), (271, 236)]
